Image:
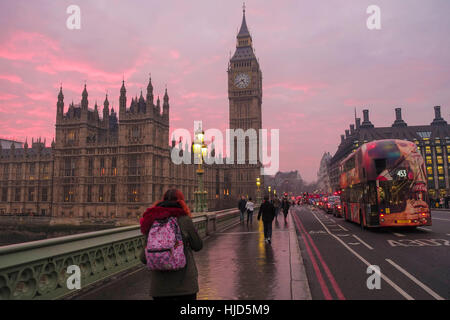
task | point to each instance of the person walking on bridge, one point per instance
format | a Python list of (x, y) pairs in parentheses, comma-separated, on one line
[(285, 206), (267, 213), (241, 206), (277, 205), (181, 281), (250, 206)]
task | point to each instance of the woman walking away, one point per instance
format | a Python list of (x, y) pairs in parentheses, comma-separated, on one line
[(250, 207), (170, 238)]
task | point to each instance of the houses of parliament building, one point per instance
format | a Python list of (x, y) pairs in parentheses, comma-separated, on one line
[(118, 164)]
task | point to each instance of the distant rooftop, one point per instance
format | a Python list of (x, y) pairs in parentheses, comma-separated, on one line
[(6, 144)]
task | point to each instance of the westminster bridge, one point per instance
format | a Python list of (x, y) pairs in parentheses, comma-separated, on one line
[(234, 263)]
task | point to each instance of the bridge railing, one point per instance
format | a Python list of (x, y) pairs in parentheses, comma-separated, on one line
[(38, 269)]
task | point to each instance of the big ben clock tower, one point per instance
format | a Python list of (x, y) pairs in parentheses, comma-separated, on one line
[(245, 98)]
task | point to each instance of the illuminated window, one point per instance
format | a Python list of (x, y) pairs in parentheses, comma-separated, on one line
[(448, 159), (429, 161), (440, 169), (439, 160), (438, 149), (102, 166), (437, 141), (100, 193), (427, 150), (430, 178), (114, 166), (430, 170), (448, 149), (441, 178)]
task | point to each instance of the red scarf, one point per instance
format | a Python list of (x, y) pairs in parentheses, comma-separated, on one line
[(157, 213)]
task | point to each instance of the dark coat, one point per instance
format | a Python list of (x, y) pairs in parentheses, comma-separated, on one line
[(267, 211), (241, 205), (184, 281), (285, 205)]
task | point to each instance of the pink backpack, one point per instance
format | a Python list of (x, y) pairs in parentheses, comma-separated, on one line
[(165, 248)]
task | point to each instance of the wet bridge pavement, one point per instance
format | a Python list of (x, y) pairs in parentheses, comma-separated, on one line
[(235, 263)]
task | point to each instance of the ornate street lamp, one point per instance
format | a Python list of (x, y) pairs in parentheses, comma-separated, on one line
[(258, 192), (200, 151)]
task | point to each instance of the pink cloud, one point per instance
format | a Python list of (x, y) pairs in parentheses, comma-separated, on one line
[(11, 78), (7, 96), (174, 54)]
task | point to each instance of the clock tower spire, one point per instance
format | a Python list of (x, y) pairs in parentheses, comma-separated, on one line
[(245, 101)]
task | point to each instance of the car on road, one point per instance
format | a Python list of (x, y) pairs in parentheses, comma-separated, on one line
[(329, 205), (337, 208)]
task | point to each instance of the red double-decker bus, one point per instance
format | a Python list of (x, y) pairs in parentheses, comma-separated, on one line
[(384, 184)]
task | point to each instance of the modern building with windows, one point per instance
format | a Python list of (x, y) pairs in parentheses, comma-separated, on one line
[(433, 141)]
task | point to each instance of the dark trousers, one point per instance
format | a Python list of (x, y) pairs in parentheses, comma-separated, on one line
[(267, 229), (249, 216), (185, 297)]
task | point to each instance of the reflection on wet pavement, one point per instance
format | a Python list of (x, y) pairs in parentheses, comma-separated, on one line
[(238, 264)]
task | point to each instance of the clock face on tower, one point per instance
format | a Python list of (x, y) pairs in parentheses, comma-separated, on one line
[(242, 80)]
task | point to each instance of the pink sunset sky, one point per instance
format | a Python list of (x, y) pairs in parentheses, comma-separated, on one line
[(319, 62)]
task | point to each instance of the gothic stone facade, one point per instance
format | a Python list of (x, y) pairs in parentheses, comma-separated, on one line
[(102, 167), (115, 166)]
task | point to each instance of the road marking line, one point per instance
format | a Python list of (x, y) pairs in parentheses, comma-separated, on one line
[(424, 229), (326, 293), (342, 227), (342, 235), (364, 243), (440, 219), (389, 281), (398, 234), (353, 243), (414, 279), (334, 284)]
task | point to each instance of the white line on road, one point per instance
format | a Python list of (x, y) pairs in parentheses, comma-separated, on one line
[(424, 229), (398, 234), (342, 227), (357, 238), (440, 219), (414, 279), (389, 281)]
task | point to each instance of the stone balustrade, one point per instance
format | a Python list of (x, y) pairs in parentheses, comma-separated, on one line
[(38, 269)]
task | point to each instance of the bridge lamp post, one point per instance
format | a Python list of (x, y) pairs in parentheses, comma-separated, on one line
[(258, 191), (200, 150)]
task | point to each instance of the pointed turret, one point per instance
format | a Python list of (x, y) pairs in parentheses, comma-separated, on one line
[(150, 92), (244, 49), (141, 106), (96, 111), (84, 100), (166, 105), (123, 99), (106, 109), (60, 105), (158, 106), (244, 39)]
